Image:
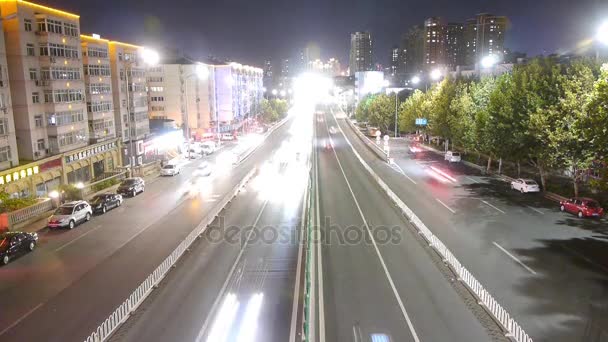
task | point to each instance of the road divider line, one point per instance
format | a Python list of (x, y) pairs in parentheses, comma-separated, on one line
[(21, 319), (472, 179), (538, 211), (489, 204), (514, 258), (373, 240), (78, 238), (400, 170), (445, 205)]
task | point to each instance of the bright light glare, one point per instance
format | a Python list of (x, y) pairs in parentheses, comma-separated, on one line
[(435, 74), (274, 91), (282, 93), (150, 57), (54, 194), (202, 72), (311, 88), (441, 175), (225, 160), (489, 61), (415, 80), (79, 185), (250, 321), (602, 33), (224, 319)]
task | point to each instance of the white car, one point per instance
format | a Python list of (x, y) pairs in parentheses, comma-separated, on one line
[(452, 157), (70, 214), (227, 136), (333, 130), (525, 185), (170, 170), (204, 169), (208, 147)]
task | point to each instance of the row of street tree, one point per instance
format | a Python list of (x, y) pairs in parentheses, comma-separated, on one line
[(273, 110), (551, 115)]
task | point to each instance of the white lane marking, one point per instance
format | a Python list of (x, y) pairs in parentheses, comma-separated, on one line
[(201, 333), (471, 179), (514, 258), (402, 172), (492, 206), (296, 290), (445, 205), (78, 238), (20, 319), (538, 211), (373, 240), (578, 254), (318, 249), (210, 200)]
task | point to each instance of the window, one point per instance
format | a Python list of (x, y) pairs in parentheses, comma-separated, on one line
[(49, 25), (71, 138), (157, 89), (58, 50), (157, 98), (38, 120), (124, 103), (64, 118), (99, 88), (63, 95), (120, 58), (27, 24), (60, 73), (157, 108), (102, 106), (35, 97), (3, 126), (96, 52), (33, 74), (5, 153), (70, 29), (40, 145), (155, 79), (97, 70), (29, 50)]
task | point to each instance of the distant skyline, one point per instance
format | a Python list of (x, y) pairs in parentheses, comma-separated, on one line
[(251, 32)]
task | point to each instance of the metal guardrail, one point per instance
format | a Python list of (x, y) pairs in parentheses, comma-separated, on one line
[(367, 141), (22, 215), (242, 157), (500, 315), (309, 251), (122, 313)]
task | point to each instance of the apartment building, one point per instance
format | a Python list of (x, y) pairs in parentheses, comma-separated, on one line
[(237, 92), (98, 88), (177, 91), (484, 35), (360, 52), (434, 42), (130, 98), (47, 89), (9, 156)]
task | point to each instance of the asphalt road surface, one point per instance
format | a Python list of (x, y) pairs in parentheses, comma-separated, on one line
[(548, 269), (75, 279), (385, 288)]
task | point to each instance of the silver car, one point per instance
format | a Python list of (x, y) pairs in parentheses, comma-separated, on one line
[(70, 214)]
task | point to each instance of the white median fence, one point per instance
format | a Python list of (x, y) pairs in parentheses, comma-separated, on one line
[(242, 157), (121, 314), (513, 329)]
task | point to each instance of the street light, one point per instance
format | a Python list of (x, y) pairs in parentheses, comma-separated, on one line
[(149, 58), (602, 33), (274, 92), (489, 61), (202, 73), (435, 74), (282, 93), (415, 80)]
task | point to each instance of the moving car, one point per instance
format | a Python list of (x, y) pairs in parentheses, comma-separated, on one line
[(582, 207), (131, 186), (525, 185), (204, 169), (70, 214), (227, 136), (103, 202), (14, 243), (208, 147), (170, 170), (452, 157), (333, 130)]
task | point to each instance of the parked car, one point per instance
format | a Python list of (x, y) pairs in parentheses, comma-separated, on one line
[(582, 207), (228, 136), (525, 185), (452, 157), (104, 202), (170, 170), (12, 244), (70, 214), (208, 147), (131, 186)]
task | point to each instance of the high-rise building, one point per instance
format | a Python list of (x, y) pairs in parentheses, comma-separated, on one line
[(98, 88), (360, 52), (394, 61), (413, 44), (130, 98), (9, 156), (46, 85), (268, 69), (285, 68), (434, 42), (484, 35), (454, 45)]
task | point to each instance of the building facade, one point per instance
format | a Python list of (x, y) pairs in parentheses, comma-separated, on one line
[(98, 88), (9, 155), (413, 45), (394, 60), (130, 98), (360, 52), (434, 42), (47, 88), (454, 45), (484, 35)]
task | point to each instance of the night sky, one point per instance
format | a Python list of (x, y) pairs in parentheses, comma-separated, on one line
[(251, 31)]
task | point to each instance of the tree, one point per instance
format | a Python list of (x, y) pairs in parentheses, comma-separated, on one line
[(462, 122), (410, 110), (382, 112), (362, 111), (280, 107), (269, 114), (595, 124), (439, 121)]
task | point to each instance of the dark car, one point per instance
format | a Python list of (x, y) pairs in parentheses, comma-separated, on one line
[(131, 186), (12, 244), (104, 202), (582, 207)]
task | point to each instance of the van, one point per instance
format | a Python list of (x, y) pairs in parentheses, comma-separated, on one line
[(452, 157)]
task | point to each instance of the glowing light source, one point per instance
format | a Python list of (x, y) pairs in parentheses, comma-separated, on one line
[(602, 33), (415, 80), (150, 57), (54, 194), (274, 91), (489, 61), (250, 321), (202, 72), (435, 74), (223, 321), (282, 93), (79, 185)]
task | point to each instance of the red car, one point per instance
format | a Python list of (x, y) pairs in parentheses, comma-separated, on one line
[(582, 207)]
